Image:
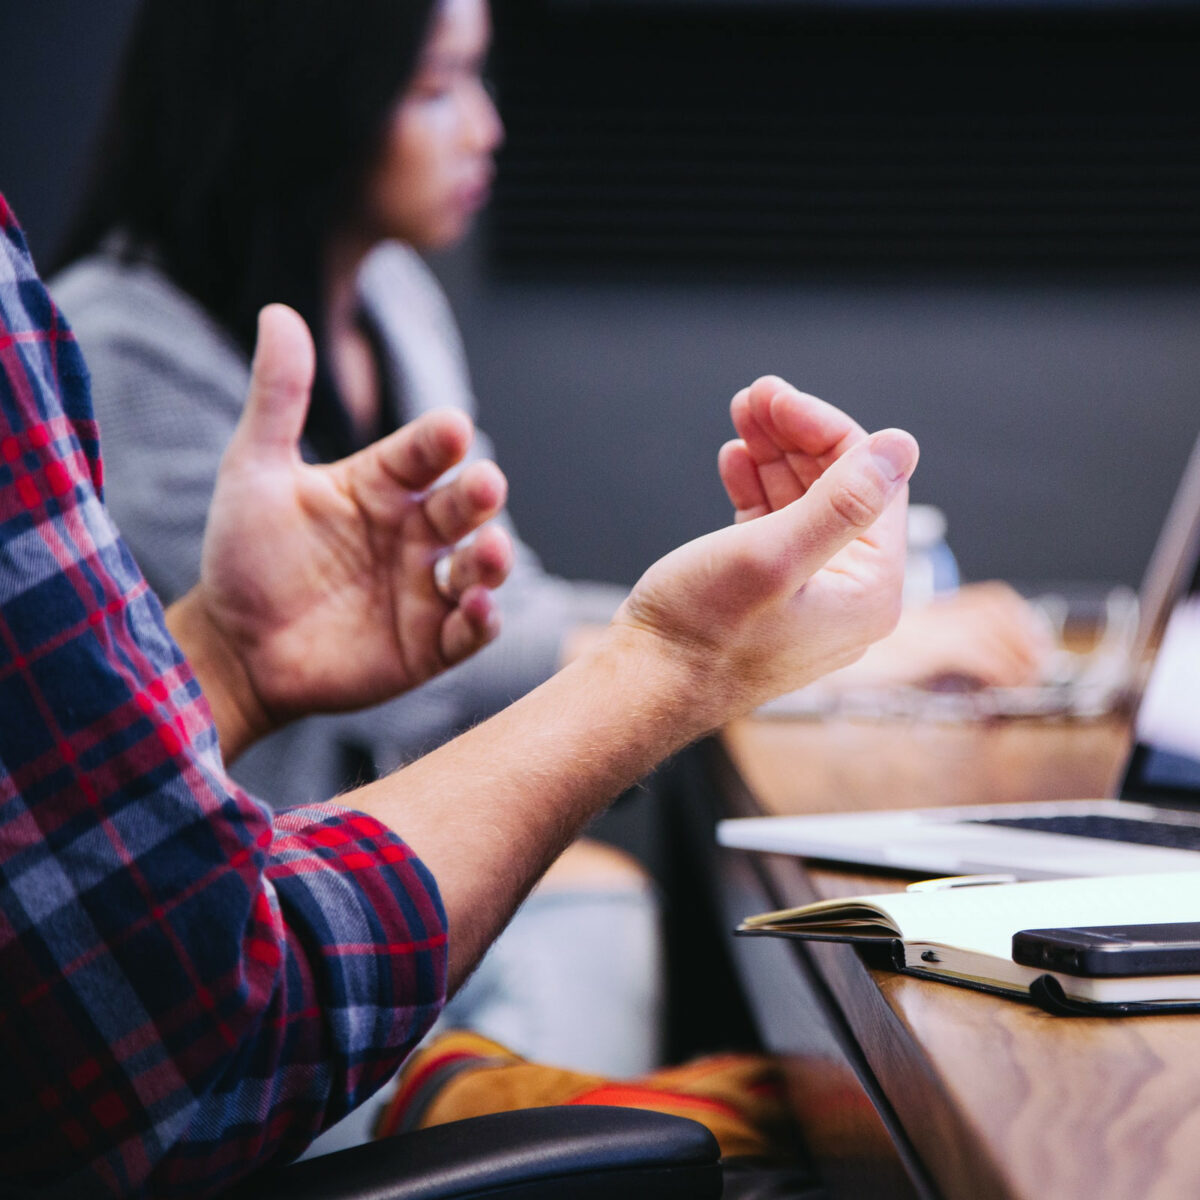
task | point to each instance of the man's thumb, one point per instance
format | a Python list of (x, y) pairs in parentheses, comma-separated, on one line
[(850, 497), (281, 378)]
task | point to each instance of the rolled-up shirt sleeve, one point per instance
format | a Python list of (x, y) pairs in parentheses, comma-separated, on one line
[(191, 987)]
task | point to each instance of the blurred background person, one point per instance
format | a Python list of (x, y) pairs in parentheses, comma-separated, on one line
[(230, 175)]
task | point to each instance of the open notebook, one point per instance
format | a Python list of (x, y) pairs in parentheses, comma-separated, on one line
[(964, 935), (1153, 826)]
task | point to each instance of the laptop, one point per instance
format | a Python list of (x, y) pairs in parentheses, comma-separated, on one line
[(1153, 825)]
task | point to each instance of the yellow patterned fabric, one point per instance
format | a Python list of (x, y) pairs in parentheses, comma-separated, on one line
[(737, 1096)]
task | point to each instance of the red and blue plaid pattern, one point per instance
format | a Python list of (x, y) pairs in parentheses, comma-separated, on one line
[(189, 988)]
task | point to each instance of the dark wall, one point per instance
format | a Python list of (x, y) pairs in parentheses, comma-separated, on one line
[(982, 222), (1054, 421), (56, 59), (1054, 414)]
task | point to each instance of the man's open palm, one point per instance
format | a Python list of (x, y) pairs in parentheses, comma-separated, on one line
[(321, 578)]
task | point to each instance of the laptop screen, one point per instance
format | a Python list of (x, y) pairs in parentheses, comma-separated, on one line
[(1165, 763)]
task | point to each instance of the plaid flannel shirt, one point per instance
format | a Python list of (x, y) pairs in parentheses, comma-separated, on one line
[(189, 987)]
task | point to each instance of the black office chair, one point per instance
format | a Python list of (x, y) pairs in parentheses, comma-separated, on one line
[(569, 1152)]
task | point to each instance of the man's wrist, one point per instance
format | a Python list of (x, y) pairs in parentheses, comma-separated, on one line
[(669, 686), (239, 715)]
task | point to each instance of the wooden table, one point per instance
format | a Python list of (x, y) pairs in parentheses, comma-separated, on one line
[(909, 1088)]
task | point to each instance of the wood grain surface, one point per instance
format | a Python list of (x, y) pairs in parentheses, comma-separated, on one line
[(997, 1098), (827, 766)]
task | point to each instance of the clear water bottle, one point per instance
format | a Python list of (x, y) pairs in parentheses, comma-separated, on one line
[(930, 568)]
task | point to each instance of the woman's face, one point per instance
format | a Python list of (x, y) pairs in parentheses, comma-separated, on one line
[(435, 170)]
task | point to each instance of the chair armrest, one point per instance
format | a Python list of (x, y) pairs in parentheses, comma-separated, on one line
[(587, 1153)]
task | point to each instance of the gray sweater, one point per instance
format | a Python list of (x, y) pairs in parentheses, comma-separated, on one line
[(168, 386)]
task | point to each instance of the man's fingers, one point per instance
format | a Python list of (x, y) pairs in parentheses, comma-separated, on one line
[(281, 379), (484, 562), (739, 474), (847, 500), (790, 436), (466, 580), (418, 453), (470, 626), (384, 476), (773, 418), (811, 426), (459, 507)]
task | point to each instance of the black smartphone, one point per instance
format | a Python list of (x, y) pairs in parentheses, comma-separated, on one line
[(1112, 950)]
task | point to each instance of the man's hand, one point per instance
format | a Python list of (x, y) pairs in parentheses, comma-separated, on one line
[(809, 575), (318, 588)]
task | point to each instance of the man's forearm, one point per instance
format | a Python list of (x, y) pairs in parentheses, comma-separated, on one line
[(489, 811)]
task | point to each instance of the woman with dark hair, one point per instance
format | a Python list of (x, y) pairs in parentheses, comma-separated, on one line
[(303, 151), (239, 145)]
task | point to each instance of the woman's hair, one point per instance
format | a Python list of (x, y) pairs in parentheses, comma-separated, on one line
[(239, 140)]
